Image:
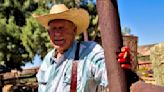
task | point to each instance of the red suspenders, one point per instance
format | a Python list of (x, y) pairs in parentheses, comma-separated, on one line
[(74, 76), (73, 85)]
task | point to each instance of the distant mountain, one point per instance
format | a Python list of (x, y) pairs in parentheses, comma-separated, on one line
[(144, 50)]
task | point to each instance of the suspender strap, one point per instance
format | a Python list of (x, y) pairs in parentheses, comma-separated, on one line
[(77, 51), (74, 77), (73, 86)]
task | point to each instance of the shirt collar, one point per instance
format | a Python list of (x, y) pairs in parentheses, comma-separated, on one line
[(69, 54)]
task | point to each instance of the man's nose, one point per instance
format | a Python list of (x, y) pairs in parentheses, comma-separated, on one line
[(58, 33)]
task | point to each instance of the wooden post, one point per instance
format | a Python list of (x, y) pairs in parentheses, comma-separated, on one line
[(1, 83), (112, 42), (85, 33)]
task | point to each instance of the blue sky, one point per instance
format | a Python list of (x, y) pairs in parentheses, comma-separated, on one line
[(145, 18), (35, 63)]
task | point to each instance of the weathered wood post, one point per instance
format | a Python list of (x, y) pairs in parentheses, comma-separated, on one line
[(85, 33), (1, 83), (112, 42)]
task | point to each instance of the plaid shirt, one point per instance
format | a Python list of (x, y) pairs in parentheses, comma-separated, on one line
[(55, 75)]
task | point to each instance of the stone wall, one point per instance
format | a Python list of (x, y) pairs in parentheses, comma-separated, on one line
[(132, 42), (157, 58)]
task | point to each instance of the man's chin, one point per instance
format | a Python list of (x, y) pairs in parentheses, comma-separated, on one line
[(59, 48)]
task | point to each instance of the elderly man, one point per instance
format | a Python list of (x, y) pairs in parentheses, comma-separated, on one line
[(71, 65)]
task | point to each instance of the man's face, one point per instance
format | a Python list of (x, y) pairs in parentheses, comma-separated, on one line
[(62, 34)]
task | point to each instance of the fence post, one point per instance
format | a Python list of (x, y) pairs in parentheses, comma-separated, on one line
[(110, 29), (1, 83)]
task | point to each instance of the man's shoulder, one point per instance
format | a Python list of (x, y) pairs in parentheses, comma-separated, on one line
[(48, 55), (91, 46), (89, 43)]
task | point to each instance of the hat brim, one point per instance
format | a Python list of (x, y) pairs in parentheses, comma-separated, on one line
[(79, 17)]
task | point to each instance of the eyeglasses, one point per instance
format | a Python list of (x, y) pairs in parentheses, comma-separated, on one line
[(55, 29)]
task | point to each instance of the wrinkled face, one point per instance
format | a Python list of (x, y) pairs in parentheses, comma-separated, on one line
[(62, 34)]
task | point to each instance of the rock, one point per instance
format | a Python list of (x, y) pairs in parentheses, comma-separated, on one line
[(157, 58)]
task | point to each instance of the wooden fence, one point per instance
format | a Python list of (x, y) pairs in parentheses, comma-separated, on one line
[(14, 76)]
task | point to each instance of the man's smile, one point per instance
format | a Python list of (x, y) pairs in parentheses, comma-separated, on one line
[(59, 42)]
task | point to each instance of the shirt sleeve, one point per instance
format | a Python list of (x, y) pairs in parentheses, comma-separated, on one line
[(98, 68), (41, 75), (42, 70)]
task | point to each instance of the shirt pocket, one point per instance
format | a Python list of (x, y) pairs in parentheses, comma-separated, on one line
[(67, 79)]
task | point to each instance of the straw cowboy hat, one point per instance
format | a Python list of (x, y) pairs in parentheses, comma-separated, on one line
[(79, 17)]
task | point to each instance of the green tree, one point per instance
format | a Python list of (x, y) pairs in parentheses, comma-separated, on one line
[(35, 38), (14, 17), (93, 31), (126, 30), (11, 48)]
